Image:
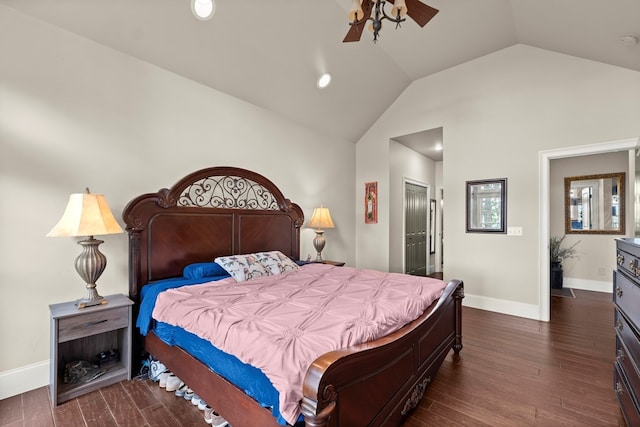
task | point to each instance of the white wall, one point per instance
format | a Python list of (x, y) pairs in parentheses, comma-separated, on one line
[(497, 113), (74, 114)]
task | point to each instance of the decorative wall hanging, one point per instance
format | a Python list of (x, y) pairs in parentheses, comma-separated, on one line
[(487, 206), (371, 203)]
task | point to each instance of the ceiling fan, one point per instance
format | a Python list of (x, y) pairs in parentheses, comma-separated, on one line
[(373, 10)]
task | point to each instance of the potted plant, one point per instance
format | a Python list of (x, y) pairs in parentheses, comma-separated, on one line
[(557, 254)]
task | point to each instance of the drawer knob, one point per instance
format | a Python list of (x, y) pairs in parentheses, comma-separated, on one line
[(619, 325), (619, 388), (620, 259), (620, 355), (619, 292)]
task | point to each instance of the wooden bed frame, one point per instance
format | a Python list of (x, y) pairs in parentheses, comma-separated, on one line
[(223, 211)]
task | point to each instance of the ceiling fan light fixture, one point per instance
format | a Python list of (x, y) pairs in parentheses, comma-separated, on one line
[(399, 9), (324, 80), (356, 13), (203, 9)]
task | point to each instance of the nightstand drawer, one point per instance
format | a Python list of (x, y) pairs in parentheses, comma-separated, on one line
[(88, 324)]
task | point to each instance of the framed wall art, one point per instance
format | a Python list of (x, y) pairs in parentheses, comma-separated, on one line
[(487, 206), (371, 203)]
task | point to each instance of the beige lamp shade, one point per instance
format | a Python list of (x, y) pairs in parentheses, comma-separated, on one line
[(86, 215), (321, 218)]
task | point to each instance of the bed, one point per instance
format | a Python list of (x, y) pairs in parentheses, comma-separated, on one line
[(224, 211)]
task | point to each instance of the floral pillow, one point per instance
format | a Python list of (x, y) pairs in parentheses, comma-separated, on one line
[(276, 262), (242, 267)]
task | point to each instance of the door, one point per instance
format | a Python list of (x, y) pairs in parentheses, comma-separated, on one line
[(416, 235)]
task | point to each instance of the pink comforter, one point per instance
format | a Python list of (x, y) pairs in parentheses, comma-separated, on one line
[(281, 324)]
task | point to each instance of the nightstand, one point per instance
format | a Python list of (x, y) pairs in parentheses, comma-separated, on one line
[(336, 263), (81, 334)]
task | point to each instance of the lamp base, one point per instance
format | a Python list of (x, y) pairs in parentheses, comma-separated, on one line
[(90, 264), (318, 243)]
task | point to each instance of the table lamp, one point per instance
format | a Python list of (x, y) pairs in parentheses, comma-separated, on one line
[(320, 219), (88, 215)]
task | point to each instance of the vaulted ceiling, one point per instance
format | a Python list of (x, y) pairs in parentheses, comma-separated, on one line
[(271, 52)]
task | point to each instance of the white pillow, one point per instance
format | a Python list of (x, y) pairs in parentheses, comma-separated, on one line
[(276, 262), (242, 267)]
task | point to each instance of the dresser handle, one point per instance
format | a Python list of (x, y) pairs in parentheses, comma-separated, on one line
[(619, 292), (620, 355), (619, 325), (619, 388), (633, 267), (620, 259), (97, 322)]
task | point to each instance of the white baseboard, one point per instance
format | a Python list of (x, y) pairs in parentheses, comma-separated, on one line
[(587, 285), (529, 311), (23, 379)]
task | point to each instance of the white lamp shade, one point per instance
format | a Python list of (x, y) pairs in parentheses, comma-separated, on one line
[(321, 218), (86, 215)]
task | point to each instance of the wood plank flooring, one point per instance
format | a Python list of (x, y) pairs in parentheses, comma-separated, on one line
[(511, 372)]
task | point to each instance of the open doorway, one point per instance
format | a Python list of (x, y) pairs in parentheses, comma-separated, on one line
[(545, 210), (412, 158)]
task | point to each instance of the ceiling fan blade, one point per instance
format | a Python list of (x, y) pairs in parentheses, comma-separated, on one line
[(354, 34), (420, 12), (355, 30)]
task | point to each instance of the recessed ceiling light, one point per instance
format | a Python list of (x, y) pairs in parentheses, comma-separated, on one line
[(629, 40), (203, 9), (324, 80)]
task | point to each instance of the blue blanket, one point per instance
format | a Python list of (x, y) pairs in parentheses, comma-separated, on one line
[(244, 376)]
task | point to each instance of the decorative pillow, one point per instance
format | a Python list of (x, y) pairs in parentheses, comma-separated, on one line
[(242, 267), (203, 269), (276, 262)]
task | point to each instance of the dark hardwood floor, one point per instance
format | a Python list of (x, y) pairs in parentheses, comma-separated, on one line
[(511, 372)]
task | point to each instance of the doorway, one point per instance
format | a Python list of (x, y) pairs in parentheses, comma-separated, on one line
[(544, 212)]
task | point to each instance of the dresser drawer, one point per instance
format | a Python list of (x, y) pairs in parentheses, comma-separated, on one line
[(626, 295), (625, 400), (88, 324), (627, 335), (628, 366), (628, 256)]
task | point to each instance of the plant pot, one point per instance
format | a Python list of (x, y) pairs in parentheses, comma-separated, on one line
[(556, 275)]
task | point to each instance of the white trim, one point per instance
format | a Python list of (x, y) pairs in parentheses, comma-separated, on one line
[(23, 379), (529, 311), (544, 160)]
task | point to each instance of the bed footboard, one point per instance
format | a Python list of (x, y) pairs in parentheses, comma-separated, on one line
[(378, 383)]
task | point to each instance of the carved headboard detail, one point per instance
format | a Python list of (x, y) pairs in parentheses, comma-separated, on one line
[(209, 213)]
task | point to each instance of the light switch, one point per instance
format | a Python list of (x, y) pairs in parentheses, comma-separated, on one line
[(514, 231)]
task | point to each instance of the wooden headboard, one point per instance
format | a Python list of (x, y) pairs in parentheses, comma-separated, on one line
[(209, 213)]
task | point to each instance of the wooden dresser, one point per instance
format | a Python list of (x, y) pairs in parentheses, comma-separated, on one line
[(626, 296)]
